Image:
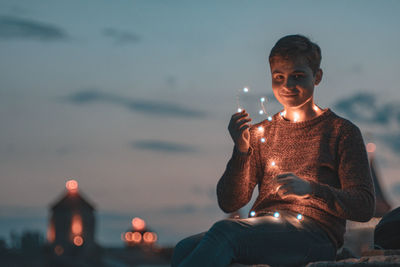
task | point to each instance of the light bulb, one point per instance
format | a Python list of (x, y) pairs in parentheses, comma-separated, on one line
[(260, 128), (299, 217), (252, 213), (239, 110), (262, 99), (246, 90), (276, 214), (263, 140), (260, 112), (273, 163), (269, 118)]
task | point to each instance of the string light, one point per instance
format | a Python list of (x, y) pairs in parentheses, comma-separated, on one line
[(276, 214), (269, 118), (260, 128), (263, 140), (299, 217), (273, 163), (246, 90), (252, 213)]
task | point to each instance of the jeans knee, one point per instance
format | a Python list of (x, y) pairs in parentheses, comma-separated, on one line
[(224, 228), (183, 248)]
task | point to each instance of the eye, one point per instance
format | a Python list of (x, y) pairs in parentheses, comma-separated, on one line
[(278, 77), (297, 76)]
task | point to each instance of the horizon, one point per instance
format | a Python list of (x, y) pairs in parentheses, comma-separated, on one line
[(133, 99)]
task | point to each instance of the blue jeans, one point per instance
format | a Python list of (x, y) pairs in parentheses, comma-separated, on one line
[(282, 241)]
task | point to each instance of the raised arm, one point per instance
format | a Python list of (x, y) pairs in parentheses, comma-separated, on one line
[(235, 187)]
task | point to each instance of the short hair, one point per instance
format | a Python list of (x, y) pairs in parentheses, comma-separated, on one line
[(291, 47)]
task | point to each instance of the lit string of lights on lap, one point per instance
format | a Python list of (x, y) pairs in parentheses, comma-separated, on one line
[(262, 111)]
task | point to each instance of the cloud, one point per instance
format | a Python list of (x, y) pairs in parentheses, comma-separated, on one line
[(121, 37), (365, 108), (162, 146), (18, 28), (143, 106)]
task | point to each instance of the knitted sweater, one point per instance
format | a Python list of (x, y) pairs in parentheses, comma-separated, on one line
[(327, 151)]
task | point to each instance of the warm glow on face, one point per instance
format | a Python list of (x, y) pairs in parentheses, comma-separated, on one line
[(138, 224), (59, 250), (72, 186), (51, 233), (371, 147), (78, 241), (136, 237), (76, 225)]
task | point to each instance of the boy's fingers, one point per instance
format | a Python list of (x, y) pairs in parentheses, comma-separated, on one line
[(241, 122), (246, 126), (284, 175), (237, 116), (285, 181)]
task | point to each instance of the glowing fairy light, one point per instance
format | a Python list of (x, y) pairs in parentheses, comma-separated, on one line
[(269, 118), (273, 163), (299, 217), (315, 108), (260, 128), (263, 140), (252, 213), (276, 214), (245, 90)]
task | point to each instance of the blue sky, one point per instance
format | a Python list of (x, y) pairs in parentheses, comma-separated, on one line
[(133, 98)]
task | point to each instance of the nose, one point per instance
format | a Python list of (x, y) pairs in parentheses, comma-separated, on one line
[(289, 83)]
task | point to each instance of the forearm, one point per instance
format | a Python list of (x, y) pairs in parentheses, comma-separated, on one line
[(235, 187), (355, 203)]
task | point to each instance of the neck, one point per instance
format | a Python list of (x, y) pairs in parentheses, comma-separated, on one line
[(301, 113)]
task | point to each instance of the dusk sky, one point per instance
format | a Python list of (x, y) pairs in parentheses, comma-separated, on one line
[(133, 99)]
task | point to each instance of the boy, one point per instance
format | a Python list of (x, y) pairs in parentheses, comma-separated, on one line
[(311, 169)]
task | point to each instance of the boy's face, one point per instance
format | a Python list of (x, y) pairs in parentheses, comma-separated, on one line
[(293, 81)]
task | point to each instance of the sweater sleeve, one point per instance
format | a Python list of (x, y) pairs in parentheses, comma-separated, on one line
[(235, 187), (355, 200)]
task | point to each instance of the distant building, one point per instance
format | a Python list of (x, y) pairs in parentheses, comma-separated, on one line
[(71, 230)]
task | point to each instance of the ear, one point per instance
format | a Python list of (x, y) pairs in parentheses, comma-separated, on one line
[(318, 76)]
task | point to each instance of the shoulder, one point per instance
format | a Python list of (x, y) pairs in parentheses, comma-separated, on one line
[(343, 126)]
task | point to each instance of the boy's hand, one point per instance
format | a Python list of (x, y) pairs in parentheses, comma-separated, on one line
[(290, 184), (239, 130)]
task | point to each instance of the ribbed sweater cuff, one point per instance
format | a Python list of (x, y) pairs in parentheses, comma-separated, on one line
[(318, 191), (239, 158)]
